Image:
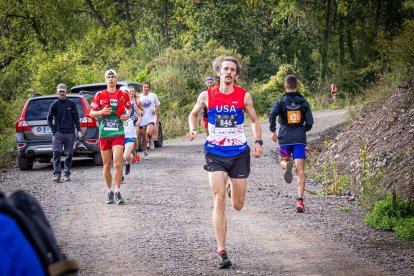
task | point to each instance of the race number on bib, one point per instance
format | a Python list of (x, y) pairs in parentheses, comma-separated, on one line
[(294, 117), (111, 124), (226, 121)]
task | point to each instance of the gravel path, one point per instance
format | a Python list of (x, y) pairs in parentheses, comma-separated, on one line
[(165, 226)]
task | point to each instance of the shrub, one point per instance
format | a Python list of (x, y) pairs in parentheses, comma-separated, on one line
[(393, 213)]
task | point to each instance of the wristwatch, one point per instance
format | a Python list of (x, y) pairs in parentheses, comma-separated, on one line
[(260, 142)]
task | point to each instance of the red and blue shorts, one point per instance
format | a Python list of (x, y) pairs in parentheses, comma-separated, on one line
[(297, 151)]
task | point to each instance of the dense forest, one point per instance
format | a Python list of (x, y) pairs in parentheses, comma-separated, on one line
[(171, 43)]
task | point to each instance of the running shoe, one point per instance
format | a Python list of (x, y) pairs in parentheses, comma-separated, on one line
[(138, 157), (56, 178), (127, 169), (228, 190), (110, 198), (134, 159), (66, 178), (301, 207), (146, 155), (224, 260), (288, 173), (118, 198), (151, 145)]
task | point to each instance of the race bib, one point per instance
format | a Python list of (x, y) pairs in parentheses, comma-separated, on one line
[(111, 124), (113, 102), (226, 121), (294, 116)]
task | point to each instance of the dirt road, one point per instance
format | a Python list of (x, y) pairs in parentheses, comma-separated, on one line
[(165, 225)]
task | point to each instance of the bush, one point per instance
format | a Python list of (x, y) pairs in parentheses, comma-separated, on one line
[(394, 214), (265, 95)]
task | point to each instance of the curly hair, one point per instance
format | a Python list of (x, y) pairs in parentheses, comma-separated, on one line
[(218, 61)]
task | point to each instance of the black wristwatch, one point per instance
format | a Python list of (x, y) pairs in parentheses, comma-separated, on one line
[(260, 142)]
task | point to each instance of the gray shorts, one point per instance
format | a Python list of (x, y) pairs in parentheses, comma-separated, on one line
[(236, 166)]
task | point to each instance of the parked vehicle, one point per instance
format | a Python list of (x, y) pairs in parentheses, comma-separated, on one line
[(34, 137), (93, 88)]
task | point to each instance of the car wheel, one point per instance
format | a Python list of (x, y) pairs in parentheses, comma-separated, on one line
[(97, 159), (25, 164), (158, 143)]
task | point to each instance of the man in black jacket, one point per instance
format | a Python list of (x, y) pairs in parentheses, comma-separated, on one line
[(295, 119), (62, 119)]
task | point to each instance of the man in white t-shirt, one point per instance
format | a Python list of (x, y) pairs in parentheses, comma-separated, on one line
[(149, 118)]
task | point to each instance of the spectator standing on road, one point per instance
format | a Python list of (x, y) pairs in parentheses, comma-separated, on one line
[(209, 81), (333, 92), (109, 105), (226, 151), (63, 118), (149, 118), (295, 119)]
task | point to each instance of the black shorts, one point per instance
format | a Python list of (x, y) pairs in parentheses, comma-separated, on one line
[(236, 166), (142, 127)]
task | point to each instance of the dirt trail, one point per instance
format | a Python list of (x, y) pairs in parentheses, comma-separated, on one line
[(165, 226)]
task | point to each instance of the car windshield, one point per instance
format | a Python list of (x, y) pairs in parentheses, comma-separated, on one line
[(37, 109)]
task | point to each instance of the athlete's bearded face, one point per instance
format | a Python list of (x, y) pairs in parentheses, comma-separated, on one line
[(228, 72)]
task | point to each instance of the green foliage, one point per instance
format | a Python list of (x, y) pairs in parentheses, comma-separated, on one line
[(332, 182), (7, 148), (395, 214), (265, 95), (405, 229), (371, 189)]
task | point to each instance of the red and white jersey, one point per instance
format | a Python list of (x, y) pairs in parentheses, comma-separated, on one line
[(225, 122)]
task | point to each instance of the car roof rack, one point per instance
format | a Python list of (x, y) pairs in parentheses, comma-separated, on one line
[(36, 95)]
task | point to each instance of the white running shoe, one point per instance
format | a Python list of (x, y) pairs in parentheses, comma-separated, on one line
[(151, 145), (146, 155)]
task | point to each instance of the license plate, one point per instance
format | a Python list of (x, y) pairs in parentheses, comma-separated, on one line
[(41, 130)]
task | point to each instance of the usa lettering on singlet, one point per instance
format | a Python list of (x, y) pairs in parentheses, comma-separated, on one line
[(225, 122)]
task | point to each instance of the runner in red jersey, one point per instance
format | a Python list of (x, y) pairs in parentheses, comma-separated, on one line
[(109, 106)]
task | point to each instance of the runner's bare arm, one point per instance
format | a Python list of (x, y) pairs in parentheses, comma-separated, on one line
[(141, 106), (192, 118), (138, 113), (98, 113), (256, 127), (126, 116)]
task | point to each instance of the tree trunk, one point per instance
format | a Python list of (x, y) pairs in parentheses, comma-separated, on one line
[(341, 41), (96, 14), (325, 43), (349, 42), (165, 23), (129, 23)]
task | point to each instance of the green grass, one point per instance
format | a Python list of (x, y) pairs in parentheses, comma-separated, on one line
[(345, 209)]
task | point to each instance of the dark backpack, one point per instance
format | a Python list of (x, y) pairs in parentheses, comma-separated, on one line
[(292, 114), (29, 215)]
